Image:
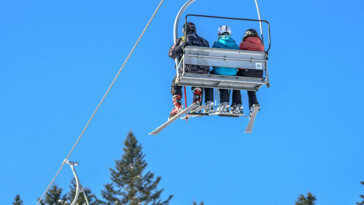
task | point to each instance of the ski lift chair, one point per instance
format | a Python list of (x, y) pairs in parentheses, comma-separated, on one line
[(223, 58), (219, 57)]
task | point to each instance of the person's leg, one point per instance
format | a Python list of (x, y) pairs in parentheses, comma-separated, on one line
[(176, 92), (252, 98), (236, 97), (252, 94), (224, 101), (224, 95), (175, 89), (209, 100), (236, 105), (209, 95)]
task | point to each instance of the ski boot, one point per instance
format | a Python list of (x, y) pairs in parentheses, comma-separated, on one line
[(237, 109), (197, 95), (223, 108), (177, 106), (209, 107)]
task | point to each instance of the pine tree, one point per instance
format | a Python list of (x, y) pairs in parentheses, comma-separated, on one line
[(195, 203), (54, 197), (92, 199), (362, 196), (17, 200), (131, 183), (303, 200)]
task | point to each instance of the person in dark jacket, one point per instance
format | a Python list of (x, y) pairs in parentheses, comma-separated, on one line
[(225, 41), (251, 42), (191, 39)]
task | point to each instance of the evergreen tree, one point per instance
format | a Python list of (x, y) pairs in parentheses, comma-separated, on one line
[(131, 183), (17, 200), (303, 200), (362, 196), (195, 203), (54, 197), (92, 199)]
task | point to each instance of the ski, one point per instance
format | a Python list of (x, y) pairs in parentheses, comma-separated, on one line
[(253, 113), (194, 113), (228, 114), (160, 128)]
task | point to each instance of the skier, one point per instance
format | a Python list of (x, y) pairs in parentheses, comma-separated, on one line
[(191, 39), (225, 41), (251, 41)]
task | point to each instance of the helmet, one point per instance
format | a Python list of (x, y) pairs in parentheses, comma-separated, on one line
[(224, 30), (190, 27), (250, 33)]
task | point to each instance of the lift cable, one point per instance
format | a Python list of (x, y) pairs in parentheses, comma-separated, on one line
[(102, 100)]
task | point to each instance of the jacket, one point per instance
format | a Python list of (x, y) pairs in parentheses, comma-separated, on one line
[(252, 44), (225, 41), (192, 40)]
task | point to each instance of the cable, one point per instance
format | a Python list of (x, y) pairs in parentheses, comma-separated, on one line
[(102, 100)]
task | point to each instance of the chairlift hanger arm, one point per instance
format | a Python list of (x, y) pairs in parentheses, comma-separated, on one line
[(77, 191), (176, 21), (238, 19)]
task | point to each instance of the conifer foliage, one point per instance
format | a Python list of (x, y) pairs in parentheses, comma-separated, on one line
[(361, 196), (54, 196), (195, 203), (303, 200), (17, 200), (91, 198), (131, 183)]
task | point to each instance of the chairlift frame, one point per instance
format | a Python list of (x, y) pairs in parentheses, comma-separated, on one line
[(223, 58), (204, 56)]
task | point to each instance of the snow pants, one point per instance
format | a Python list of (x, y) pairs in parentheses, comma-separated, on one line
[(251, 94)]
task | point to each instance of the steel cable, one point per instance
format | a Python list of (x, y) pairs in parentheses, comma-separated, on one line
[(102, 100)]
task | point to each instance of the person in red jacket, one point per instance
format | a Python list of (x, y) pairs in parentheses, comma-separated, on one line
[(251, 42)]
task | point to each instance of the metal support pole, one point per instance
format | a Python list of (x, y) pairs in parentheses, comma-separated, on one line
[(72, 164), (85, 196), (260, 23), (79, 187), (175, 27)]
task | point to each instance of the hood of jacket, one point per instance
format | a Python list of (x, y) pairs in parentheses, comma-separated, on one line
[(252, 44), (226, 41)]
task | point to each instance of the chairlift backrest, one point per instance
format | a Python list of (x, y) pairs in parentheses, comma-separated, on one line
[(220, 57)]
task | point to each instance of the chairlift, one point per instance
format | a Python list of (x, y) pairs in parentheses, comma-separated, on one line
[(219, 57)]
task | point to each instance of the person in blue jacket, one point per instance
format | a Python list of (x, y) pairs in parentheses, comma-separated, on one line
[(225, 41)]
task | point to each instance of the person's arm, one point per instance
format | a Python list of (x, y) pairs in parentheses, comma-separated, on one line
[(176, 49)]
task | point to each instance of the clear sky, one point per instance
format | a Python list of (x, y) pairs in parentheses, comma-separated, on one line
[(59, 57)]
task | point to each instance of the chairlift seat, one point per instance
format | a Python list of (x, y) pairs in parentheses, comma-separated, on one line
[(220, 57)]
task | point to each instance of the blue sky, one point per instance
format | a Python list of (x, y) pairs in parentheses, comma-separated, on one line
[(58, 58)]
